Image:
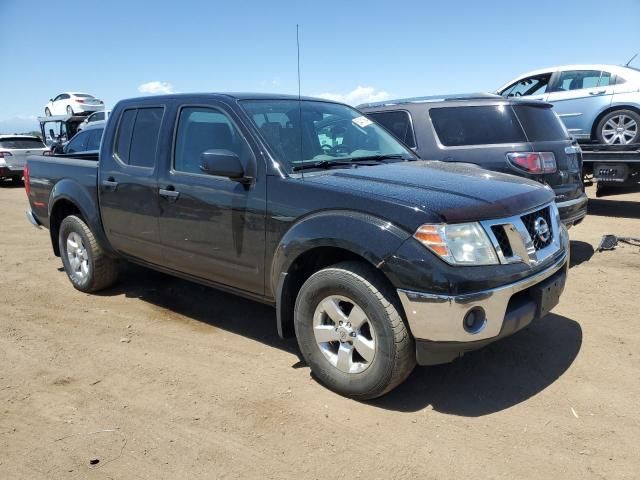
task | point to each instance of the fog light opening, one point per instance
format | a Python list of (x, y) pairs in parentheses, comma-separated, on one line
[(474, 320)]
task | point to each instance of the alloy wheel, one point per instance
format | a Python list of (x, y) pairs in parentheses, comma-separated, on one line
[(620, 129), (344, 334), (77, 256)]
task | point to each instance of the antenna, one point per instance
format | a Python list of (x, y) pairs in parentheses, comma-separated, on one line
[(626, 64), (299, 96)]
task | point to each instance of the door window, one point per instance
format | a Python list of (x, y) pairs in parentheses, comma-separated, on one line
[(536, 85), (201, 129), (137, 136), (398, 123), (577, 80)]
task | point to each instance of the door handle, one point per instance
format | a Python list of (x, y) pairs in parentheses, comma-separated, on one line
[(599, 92), (110, 184), (169, 193)]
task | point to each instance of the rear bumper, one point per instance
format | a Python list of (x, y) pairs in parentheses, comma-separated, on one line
[(10, 172), (438, 321), (573, 211), (32, 219)]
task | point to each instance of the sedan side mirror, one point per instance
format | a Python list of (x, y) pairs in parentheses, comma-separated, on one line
[(223, 163)]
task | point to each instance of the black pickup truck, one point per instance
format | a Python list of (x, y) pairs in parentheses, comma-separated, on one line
[(374, 260)]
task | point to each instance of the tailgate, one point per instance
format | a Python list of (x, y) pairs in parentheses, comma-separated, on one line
[(18, 158)]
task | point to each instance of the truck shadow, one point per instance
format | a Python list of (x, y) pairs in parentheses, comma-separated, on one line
[(580, 252), (497, 377), (609, 207), (483, 382)]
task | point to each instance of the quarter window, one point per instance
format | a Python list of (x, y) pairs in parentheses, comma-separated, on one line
[(201, 129), (398, 123), (137, 136)]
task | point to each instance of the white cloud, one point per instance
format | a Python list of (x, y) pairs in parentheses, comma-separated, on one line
[(358, 95), (155, 86)]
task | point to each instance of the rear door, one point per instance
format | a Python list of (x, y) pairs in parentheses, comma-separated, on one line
[(128, 183), (212, 227), (578, 96)]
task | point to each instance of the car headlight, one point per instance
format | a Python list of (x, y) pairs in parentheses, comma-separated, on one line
[(458, 244)]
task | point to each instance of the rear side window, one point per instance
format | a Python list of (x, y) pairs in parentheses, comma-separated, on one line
[(483, 125), (540, 124), (398, 123), (21, 143), (137, 136), (577, 80)]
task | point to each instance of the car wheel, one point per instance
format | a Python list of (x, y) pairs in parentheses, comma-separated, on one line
[(47, 112), (69, 110), (85, 262), (16, 180), (620, 127), (351, 332)]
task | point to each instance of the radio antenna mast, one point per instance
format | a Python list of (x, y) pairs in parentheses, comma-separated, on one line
[(626, 64), (299, 95)]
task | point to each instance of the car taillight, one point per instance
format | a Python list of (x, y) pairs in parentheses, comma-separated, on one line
[(5, 154), (27, 179), (533, 162)]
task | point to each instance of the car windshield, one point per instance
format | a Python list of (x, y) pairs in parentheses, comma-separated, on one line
[(21, 143), (305, 133)]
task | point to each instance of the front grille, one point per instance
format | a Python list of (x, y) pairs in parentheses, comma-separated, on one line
[(529, 221), (503, 240)]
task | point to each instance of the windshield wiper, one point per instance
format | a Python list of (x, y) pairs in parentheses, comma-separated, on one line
[(379, 157), (325, 164)]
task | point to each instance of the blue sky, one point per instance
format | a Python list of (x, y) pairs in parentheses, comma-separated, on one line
[(388, 49)]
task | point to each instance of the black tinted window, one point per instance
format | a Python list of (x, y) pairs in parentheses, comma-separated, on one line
[(145, 137), (123, 137), (457, 126), (77, 143), (540, 124), (95, 135), (95, 117), (398, 123), (20, 143), (137, 136), (201, 129)]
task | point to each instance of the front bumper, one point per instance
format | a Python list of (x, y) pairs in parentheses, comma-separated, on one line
[(438, 321), (573, 211)]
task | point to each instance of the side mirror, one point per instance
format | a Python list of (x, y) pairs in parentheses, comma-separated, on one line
[(223, 163)]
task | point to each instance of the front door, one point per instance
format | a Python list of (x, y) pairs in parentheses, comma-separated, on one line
[(578, 96), (212, 227)]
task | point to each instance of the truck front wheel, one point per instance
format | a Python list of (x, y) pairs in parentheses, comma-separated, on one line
[(351, 333), (85, 262)]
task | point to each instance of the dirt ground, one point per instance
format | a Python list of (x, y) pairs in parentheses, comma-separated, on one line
[(162, 378)]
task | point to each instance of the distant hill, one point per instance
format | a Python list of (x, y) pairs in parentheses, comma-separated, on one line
[(19, 125)]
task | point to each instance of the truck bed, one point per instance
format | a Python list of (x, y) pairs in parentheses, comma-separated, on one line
[(64, 172)]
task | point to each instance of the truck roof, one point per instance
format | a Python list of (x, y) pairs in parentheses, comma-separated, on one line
[(232, 95)]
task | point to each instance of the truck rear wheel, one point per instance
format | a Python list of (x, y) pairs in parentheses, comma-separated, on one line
[(85, 262), (351, 333)]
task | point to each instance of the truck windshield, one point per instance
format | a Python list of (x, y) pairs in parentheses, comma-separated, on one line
[(308, 132)]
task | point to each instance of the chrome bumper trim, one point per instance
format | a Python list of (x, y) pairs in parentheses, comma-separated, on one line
[(32, 219), (570, 203), (440, 318)]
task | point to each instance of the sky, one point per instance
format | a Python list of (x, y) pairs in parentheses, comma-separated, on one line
[(351, 50)]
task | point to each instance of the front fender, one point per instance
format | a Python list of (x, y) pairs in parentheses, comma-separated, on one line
[(363, 234)]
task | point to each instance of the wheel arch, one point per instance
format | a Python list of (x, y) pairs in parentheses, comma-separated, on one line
[(321, 240)]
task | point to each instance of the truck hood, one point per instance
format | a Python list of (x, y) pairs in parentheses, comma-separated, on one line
[(456, 192)]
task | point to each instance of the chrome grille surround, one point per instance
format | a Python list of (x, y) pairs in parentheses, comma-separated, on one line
[(523, 247)]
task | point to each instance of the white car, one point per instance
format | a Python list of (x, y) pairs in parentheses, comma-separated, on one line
[(72, 103), (595, 102), (94, 117)]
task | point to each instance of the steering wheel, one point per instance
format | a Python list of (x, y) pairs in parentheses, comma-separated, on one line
[(517, 94)]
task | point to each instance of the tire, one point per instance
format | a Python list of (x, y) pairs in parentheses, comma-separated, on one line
[(47, 112), (16, 180), (357, 290), (94, 270), (628, 120), (69, 110)]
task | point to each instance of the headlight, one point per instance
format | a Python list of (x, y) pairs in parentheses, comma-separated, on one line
[(458, 244)]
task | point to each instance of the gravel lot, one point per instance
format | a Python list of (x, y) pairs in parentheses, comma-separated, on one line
[(162, 378)]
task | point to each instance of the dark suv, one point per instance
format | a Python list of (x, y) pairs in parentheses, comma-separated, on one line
[(524, 138)]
